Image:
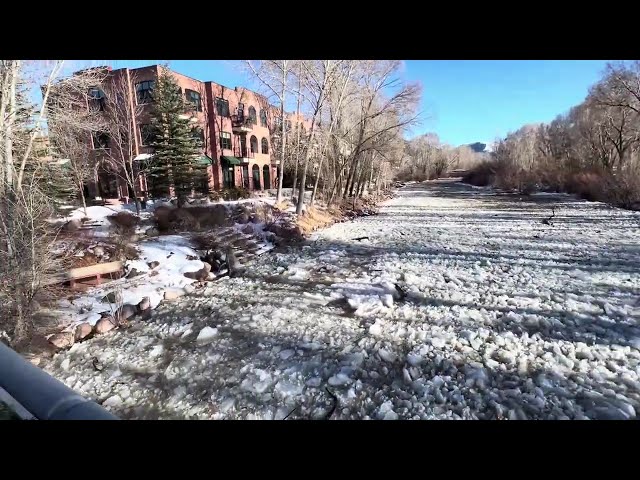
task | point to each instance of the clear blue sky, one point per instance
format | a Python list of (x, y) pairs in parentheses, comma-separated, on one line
[(464, 101)]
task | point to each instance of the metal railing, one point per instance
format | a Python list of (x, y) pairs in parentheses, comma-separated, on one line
[(41, 395)]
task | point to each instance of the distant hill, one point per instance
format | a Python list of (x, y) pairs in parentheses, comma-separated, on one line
[(477, 147)]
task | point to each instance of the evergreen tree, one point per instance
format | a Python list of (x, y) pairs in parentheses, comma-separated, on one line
[(175, 142)]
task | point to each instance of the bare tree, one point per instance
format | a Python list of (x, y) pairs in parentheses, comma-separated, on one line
[(274, 76), (73, 122), (24, 207), (122, 115)]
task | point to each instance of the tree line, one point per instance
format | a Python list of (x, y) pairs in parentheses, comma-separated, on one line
[(592, 150), (356, 112)]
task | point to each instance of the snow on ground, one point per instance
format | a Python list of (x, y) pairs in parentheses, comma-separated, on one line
[(172, 252), (460, 303)]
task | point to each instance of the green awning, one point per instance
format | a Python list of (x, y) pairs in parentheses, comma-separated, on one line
[(205, 160), (231, 160)]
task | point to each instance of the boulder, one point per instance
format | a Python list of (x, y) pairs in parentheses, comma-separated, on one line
[(125, 312), (98, 251), (104, 325), (153, 264), (201, 275), (62, 340), (144, 304), (82, 331), (152, 232), (247, 230), (133, 273), (234, 266), (189, 289)]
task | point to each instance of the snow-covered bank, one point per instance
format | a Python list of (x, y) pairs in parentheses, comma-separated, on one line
[(451, 303)]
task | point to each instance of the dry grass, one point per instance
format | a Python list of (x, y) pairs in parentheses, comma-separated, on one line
[(314, 218)]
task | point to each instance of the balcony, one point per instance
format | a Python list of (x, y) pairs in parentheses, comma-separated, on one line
[(244, 154), (241, 124)]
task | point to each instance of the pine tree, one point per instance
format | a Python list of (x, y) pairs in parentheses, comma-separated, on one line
[(175, 142)]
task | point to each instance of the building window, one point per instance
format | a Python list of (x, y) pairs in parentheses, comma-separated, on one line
[(265, 146), (144, 91), (252, 115), (253, 141), (198, 135), (225, 140), (100, 141), (263, 117), (145, 134), (194, 99), (222, 107), (97, 99), (241, 109)]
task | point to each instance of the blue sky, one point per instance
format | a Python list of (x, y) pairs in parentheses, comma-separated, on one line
[(464, 101)]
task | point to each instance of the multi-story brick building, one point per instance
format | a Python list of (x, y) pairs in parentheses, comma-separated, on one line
[(235, 125)]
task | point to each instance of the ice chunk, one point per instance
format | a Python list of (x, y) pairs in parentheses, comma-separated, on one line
[(387, 356), (284, 354), (206, 335), (339, 379)]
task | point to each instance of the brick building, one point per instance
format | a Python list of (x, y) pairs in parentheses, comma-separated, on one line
[(234, 124)]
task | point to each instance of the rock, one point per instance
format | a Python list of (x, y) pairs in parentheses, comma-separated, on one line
[(34, 361), (112, 297), (173, 294), (243, 218), (82, 331), (125, 312), (201, 275), (153, 264), (247, 230), (72, 225), (98, 251), (144, 304), (62, 340), (189, 289), (133, 273), (104, 325), (234, 266), (152, 232)]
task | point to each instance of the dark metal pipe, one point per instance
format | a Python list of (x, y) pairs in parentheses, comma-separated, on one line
[(41, 394)]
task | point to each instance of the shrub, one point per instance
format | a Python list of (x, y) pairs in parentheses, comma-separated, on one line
[(481, 175), (124, 223), (235, 193)]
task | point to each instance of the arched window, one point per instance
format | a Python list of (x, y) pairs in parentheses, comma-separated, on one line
[(254, 144), (263, 117), (252, 115), (265, 146)]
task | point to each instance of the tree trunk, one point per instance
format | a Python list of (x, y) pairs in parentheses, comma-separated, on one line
[(284, 137), (315, 184), (8, 127), (84, 201), (295, 174)]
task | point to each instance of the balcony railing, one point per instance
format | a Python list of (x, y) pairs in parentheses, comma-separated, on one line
[(241, 123), (243, 153)]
